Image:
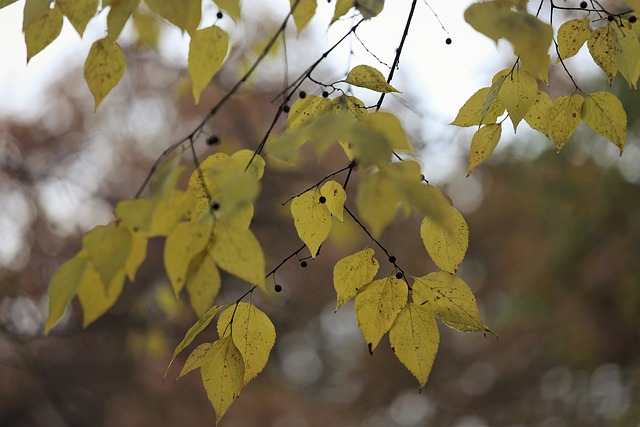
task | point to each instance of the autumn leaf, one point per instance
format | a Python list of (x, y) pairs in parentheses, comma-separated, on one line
[(63, 287), (119, 13), (471, 113), (195, 359), (353, 272), (369, 78), (305, 108), (203, 282), (538, 116), (342, 7), (78, 12), (303, 12), (186, 241), (33, 9), (446, 240), (603, 112), (572, 35), (602, 50), (94, 297), (377, 201), (232, 7), (103, 68), (45, 29), (312, 220), (184, 14), (108, 247), (335, 197), (564, 117), (627, 53), (517, 94), (369, 8), (207, 51), (483, 142)]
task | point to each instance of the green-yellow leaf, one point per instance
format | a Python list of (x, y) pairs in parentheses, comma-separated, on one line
[(635, 4), (103, 68), (449, 298), (335, 197), (242, 158), (147, 26), (78, 12), (602, 50), (603, 112), (252, 333), (564, 117), (627, 53), (377, 201), (63, 287), (572, 35), (45, 29), (312, 220), (491, 98), (303, 11), (232, 7), (5, 3), (446, 240), (137, 254), (203, 282), (377, 305), (390, 127), (94, 298), (369, 78), (33, 9), (517, 94), (108, 247), (538, 115), (237, 251), (186, 241), (342, 7), (353, 272), (184, 14), (305, 108), (369, 8), (471, 112), (483, 143), (414, 340), (350, 104), (222, 375), (207, 50), (195, 359), (119, 14)]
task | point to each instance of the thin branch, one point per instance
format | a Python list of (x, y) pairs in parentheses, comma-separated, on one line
[(331, 175)]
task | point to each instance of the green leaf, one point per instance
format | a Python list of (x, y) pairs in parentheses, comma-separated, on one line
[(103, 68), (483, 142), (602, 50), (312, 220), (108, 247), (237, 251), (184, 14), (377, 305), (203, 282), (517, 95), (63, 287), (564, 118), (414, 340), (207, 51), (195, 359), (335, 197), (303, 12), (471, 113), (572, 35), (369, 78), (353, 272), (45, 29), (538, 116), (184, 243), (253, 334), (119, 14), (232, 7), (95, 297), (446, 240), (603, 112), (449, 298), (222, 374), (79, 12)]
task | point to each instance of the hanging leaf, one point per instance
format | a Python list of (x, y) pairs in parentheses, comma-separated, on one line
[(78, 12), (94, 298), (203, 282), (627, 53), (63, 287), (517, 94), (572, 35), (446, 240), (312, 220), (471, 112), (195, 359), (603, 112), (389, 126), (369, 8), (303, 12), (184, 14), (369, 78), (483, 142), (184, 243), (353, 272), (377, 305), (538, 116), (108, 247), (232, 7), (207, 51), (342, 7), (137, 254), (602, 50), (414, 340), (377, 201), (103, 68), (119, 13), (335, 197), (564, 118), (45, 29), (305, 108), (491, 97), (33, 9)]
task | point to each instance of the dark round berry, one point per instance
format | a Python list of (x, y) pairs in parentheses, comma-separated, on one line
[(583, 5), (325, 93), (303, 94), (399, 275), (213, 140), (392, 259), (610, 18), (219, 14), (303, 264), (215, 206), (277, 288), (448, 40), (322, 199), (286, 108), (632, 19)]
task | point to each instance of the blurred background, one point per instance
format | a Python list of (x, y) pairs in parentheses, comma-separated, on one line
[(553, 258)]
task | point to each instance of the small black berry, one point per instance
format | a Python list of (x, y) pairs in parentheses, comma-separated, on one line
[(215, 206), (325, 93), (322, 199), (583, 5), (392, 259), (448, 40), (632, 19), (303, 94), (219, 14), (399, 275), (610, 18), (303, 264), (213, 140), (286, 108), (277, 288)]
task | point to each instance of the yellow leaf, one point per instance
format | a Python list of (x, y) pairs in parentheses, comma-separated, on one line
[(186, 241), (425, 199), (45, 29), (342, 7), (517, 94), (602, 51), (543, 74), (33, 9), (414, 340), (103, 68), (5, 3), (184, 14), (232, 7), (335, 198), (377, 306), (369, 8), (603, 112), (446, 240), (94, 298), (79, 12), (449, 298), (627, 53), (253, 334), (538, 115), (635, 4), (353, 272), (119, 14), (207, 50), (471, 112), (303, 12), (390, 127), (193, 332), (305, 108), (312, 220), (203, 282), (564, 118), (195, 359), (222, 374), (237, 251), (350, 104), (108, 247), (147, 26), (572, 35), (377, 201), (137, 254), (491, 98), (483, 143), (242, 158), (369, 78), (63, 287)]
